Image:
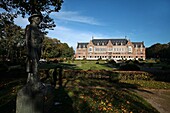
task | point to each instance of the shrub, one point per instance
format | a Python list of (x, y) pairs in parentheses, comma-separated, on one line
[(111, 62), (157, 61), (167, 67), (97, 62), (55, 61), (129, 67), (136, 62), (3, 67), (61, 60), (129, 61), (134, 75), (140, 59)]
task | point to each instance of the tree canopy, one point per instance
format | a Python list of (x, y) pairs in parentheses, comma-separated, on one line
[(53, 48), (23, 7), (158, 50), (11, 38)]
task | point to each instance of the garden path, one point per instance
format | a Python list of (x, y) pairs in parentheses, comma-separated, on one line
[(158, 98)]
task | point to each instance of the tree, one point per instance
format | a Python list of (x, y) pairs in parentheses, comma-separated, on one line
[(161, 51), (23, 7), (50, 48), (53, 48), (11, 38)]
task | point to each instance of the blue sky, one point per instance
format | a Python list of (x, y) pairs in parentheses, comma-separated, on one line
[(139, 20)]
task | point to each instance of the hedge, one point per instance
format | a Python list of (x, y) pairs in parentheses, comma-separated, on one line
[(111, 75)]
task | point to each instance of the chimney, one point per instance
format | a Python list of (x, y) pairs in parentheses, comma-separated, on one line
[(92, 37)]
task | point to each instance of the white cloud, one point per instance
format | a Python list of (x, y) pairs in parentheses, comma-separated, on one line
[(22, 22), (71, 36), (75, 17)]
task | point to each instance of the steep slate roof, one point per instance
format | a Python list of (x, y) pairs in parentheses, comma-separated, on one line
[(138, 44), (104, 42), (82, 45)]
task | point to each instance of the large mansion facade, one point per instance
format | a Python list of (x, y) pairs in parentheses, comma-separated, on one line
[(116, 49)]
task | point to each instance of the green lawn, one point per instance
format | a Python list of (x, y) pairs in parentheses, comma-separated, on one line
[(91, 65), (79, 65), (148, 84)]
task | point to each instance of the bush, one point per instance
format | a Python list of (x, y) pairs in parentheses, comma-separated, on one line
[(55, 61), (3, 67), (134, 75), (111, 62), (97, 62), (140, 59), (113, 76), (129, 61), (167, 67), (136, 62), (157, 61), (61, 60), (129, 67)]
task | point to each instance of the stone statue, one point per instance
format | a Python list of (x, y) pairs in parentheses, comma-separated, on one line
[(35, 96), (34, 38)]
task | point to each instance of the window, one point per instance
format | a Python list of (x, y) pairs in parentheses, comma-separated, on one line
[(79, 46), (141, 50), (110, 49), (90, 49), (130, 49)]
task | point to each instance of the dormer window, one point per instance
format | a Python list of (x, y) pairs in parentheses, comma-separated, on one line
[(141, 46)]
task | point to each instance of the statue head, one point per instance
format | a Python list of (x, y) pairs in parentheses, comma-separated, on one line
[(37, 18)]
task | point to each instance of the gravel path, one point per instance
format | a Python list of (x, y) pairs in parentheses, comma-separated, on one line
[(158, 98)]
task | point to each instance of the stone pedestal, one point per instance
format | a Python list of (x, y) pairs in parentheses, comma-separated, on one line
[(34, 97)]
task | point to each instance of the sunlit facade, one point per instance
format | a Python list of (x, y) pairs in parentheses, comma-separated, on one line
[(117, 49)]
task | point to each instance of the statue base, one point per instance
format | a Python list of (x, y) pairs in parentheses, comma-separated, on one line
[(35, 97)]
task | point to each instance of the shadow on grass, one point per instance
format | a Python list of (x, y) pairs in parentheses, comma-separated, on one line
[(62, 102), (83, 95), (57, 65), (96, 95), (8, 90), (109, 65)]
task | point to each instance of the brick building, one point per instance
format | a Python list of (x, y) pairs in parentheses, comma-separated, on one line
[(116, 49)]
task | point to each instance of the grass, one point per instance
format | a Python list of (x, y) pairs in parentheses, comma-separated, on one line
[(83, 95), (148, 84), (8, 94), (78, 65), (101, 96), (91, 65)]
